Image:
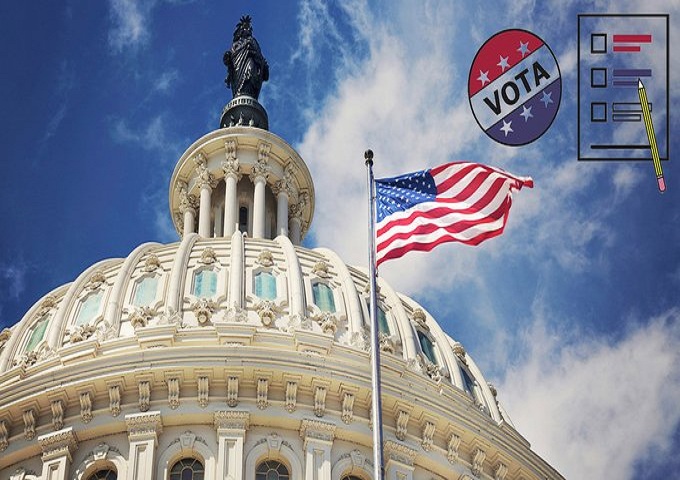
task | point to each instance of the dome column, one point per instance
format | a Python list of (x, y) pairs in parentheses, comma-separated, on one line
[(231, 429), (57, 448), (318, 441), (259, 176), (231, 177), (295, 216), (284, 191), (143, 430), (187, 208), (206, 181)]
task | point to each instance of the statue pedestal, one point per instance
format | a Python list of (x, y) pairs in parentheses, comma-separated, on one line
[(244, 111)]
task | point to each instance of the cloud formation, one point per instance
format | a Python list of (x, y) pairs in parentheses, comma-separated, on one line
[(130, 24)]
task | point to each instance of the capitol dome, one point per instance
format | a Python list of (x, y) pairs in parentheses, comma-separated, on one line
[(236, 353)]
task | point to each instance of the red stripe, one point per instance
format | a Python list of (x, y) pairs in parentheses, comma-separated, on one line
[(626, 48), (633, 38)]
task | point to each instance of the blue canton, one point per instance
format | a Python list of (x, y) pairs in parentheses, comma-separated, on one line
[(403, 192)]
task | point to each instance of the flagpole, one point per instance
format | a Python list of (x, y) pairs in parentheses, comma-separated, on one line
[(376, 404)]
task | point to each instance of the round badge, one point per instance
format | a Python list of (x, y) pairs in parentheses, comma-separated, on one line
[(514, 87)]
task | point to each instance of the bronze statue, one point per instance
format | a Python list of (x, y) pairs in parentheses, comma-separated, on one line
[(244, 60)]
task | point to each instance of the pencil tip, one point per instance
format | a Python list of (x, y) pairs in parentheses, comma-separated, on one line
[(640, 83)]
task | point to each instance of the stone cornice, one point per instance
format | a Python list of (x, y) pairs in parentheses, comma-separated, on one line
[(226, 420), (56, 444), (317, 430), (398, 452), (144, 425)]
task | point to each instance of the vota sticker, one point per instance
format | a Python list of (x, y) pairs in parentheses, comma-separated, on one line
[(514, 87)]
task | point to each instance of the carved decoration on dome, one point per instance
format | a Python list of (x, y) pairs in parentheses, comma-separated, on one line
[(295, 209), (387, 343), (57, 407), (171, 317), (200, 160), (320, 401), (459, 351), (231, 420), (320, 269), (262, 393), (428, 436), (141, 316), (236, 314), (187, 201), (85, 407), (4, 337), (500, 471), (327, 321), (231, 166), (173, 392), (267, 311), (203, 385), (79, 333), (203, 308), (298, 322), (4, 436), (152, 263), (261, 168), (26, 360), (48, 304), (402, 424), (114, 400), (144, 388), (232, 391), (434, 371), (287, 184), (208, 256), (478, 462), (452, 448), (347, 407), (96, 280), (419, 317), (317, 430), (358, 460), (361, 340), (291, 396), (265, 258), (399, 453), (29, 423)]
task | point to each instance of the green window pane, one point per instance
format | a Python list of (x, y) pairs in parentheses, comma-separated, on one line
[(205, 284), (89, 308), (265, 285), (323, 297), (37, 334), (145, 293), (427, 347), (383, 327)]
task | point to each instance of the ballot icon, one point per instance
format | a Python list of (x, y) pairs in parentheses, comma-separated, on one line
[(615, 53)]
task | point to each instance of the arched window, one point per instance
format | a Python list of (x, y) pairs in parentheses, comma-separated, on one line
[(243, 219), (107, 474), (323, 297), (37, 334), (271, 470), (265, 285), (187, 469), (205, 284), (350, 477), (468, 382), (145, 291), (89, 308), (427, 347), (383, 326)]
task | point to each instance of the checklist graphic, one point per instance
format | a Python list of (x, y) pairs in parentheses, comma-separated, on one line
[(615, 53)]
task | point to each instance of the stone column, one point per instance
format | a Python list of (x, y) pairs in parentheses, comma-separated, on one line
[(259, 176), (231, 169), (143, 430), (295, 215), (231, 429), (56, 453), (318, 440), (285, 191), (399, 461), (206, 182), (187, 208)]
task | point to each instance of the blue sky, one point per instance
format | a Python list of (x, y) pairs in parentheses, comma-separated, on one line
[(574, 313)]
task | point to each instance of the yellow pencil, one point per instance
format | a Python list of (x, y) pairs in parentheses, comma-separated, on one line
[(647, 116)]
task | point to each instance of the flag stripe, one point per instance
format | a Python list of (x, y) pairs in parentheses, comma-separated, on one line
[(471, 204)]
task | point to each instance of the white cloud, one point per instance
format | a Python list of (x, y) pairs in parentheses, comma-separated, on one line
[(13, 278), (154, 137), (166, 81), (592, 407), (130, 24)]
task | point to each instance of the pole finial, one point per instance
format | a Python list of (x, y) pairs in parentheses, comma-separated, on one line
[(368, 155)]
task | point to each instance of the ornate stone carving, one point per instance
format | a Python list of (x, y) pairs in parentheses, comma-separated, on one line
[(298, 322), (402, 424), (327, 321), (286, 184), (143, 424), (208, 257), (152, 263), (171, 317), (200, 160), (26, 360), (295, 209), (320, 401), (478, 462), (435, 372), (97, 279), (317, 430), (79, 333), (144, 388), (428, 436), (261, 168), (141, 316), (231, 166), (452, 448), (265, 258), (58, 443), (347, 407), (262, 393), (399, 453), (236, 314), (100, 452), (187, 202), (85, 407), (386, 343), (203, 308), (173, 392), (419, 317), (459, 351), (232, 391), (57, 407), (358, 460), (29, 424), (291, 396), (4, 436), (267, 310), (4, 337), (203, 384), (360, 340), (114, 400), (500, 471), (231, 420)]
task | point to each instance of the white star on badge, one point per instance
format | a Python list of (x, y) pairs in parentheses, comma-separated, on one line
[(506, 127), (483, 77), (503, 63), (546, 98), (523, 48), (526, 113)]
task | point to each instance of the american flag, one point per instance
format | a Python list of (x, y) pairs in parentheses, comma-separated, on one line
[(455, 202)]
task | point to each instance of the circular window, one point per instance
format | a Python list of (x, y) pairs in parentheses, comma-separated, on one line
[(187, 469), (271, 470)]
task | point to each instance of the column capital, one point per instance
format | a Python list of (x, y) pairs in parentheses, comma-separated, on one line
[(231, 168), (400, 453), (187, 201), (286, 184), (142, 426), (229, 420), (260, 171), (295, 209), (205, 178), (58, 444), (312, 429)]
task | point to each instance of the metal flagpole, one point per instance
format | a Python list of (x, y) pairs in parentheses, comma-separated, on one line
[(376, 406)]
